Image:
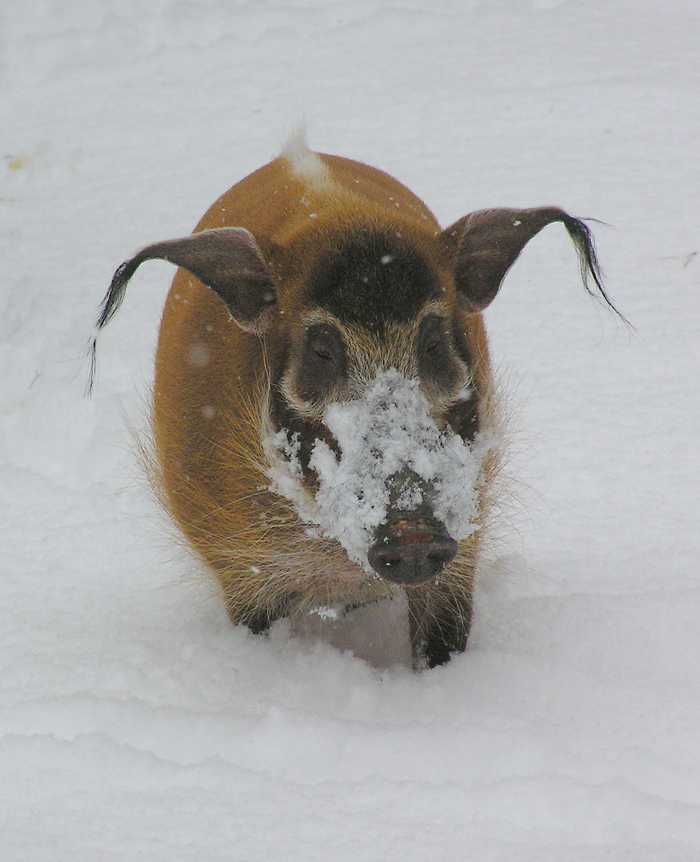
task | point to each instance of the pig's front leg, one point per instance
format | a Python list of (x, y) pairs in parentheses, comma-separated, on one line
[(439, 626)]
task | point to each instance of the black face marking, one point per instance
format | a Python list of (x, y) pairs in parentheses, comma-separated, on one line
[(298, 428), (323, 361), (282, 415), (372, 279), (460, 342), (436, 364), (463, 417)]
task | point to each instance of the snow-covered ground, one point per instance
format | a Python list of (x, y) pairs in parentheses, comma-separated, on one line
[(135, 722)]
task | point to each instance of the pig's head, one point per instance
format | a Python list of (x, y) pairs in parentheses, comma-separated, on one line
[(374, 409), (373, 404)]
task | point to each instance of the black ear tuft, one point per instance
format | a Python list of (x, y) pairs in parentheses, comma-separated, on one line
[(92, 358), (115, 294), (108, 308), (582, 238)]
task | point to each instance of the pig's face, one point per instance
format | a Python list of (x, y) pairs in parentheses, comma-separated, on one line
[(373, 409)]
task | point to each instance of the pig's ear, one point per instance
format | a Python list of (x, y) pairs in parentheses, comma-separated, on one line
[(485, 244), (227, 260)]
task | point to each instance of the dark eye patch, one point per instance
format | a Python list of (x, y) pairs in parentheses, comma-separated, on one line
[(323, 361), (436, 364), (463, 418), (282, 415)]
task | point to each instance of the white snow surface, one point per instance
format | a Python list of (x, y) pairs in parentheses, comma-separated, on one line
[(135, 722), (384, 433)]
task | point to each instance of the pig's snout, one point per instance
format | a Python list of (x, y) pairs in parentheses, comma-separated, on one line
[(411, 550), (412, 546)]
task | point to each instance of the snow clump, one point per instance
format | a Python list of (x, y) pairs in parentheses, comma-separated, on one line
[(386, 431)]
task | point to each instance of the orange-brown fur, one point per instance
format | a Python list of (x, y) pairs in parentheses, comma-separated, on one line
[(211, 384)]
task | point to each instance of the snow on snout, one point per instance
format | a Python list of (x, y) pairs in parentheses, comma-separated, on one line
[(386, 431)]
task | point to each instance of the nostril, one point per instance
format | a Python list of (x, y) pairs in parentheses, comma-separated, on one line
[(389, 559), (442, 552), (385, 558)]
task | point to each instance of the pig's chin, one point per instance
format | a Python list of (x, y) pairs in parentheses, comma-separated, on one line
[(386, 433)]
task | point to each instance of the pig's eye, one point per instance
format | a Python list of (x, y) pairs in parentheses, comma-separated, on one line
[(323, 361), (322, 351), (436, 364), (325, 344), (432, 338)]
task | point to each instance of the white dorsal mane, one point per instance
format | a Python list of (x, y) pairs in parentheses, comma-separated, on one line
[(303, 161)]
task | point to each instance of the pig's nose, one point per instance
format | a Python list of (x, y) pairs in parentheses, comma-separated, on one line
[(407, 554)]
